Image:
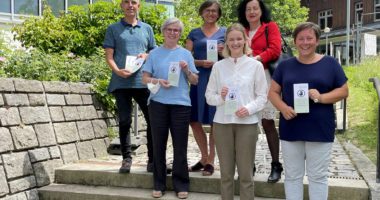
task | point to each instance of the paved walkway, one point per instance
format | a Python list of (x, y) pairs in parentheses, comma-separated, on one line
[(348, 162), (340, 167)]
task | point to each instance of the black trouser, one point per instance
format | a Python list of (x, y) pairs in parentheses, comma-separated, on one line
[(124, 105), (176, 118)]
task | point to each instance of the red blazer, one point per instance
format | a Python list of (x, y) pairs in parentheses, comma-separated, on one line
[(258, 43)]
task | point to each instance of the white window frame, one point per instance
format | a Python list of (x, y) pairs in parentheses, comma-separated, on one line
[(376, 5), (11, 17), (325, 14), (359, 9)]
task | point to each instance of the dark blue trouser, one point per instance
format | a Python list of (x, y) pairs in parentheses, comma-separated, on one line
[(124, 105), (176, 118)]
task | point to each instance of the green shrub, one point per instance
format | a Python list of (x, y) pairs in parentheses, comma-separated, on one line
[(362, 106), (81, 30), (39, 65)]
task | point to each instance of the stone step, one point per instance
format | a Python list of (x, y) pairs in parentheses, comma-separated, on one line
[(106, 174), (82, 192)]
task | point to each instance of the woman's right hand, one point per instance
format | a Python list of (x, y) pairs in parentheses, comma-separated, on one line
[(123, 73), (164, 83), (224, 92), (207, 63), (288, 113)]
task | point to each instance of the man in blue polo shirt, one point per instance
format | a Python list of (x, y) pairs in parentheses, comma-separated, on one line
[(129, 37)]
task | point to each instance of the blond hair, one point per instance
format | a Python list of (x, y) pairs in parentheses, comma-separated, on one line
[(235, 27)]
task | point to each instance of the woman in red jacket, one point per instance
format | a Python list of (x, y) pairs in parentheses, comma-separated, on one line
[(265, 42)]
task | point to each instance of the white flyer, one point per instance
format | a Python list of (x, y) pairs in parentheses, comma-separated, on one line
[(212, 50), (132, 63), (174, 73), (301, 98), (231, 102)]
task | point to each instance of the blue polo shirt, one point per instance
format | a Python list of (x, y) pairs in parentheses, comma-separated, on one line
[(126, 39), (319, 124)]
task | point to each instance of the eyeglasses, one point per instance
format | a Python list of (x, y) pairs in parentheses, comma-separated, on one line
[(172, 30), (213, 11)]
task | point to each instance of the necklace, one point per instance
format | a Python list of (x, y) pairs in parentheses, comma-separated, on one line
[(252, 32)]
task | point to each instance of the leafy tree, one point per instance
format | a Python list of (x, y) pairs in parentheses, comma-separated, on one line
[(287, 13), (155, 16), (187, 12), (229, 8)]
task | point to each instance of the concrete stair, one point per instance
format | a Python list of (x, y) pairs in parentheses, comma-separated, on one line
[(101, 180), (82, 192)]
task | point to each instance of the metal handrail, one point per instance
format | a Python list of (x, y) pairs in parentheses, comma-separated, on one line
[(376, 84)]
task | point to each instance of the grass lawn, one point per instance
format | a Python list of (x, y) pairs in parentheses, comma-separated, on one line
[(362, 107)]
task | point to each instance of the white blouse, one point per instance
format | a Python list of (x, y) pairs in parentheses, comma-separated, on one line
[(248, 77)]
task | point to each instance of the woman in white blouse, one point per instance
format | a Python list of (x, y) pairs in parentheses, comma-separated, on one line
[(238, 89)]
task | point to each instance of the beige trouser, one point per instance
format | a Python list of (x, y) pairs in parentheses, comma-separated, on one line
[(236, 146)]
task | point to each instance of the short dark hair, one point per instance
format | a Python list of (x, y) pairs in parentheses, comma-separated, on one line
[(307, 25), (265, 12), (209, 3)]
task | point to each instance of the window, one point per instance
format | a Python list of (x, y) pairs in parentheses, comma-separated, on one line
[(56, 6), (15, 10), (377, 10), (26, 7), (6, 6), (94, 1), (358, 12), (325, 19), (77, 2)]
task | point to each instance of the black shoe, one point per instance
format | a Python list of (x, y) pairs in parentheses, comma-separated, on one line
[(126, 166), (197, 167), (275, 174), (149, 167)]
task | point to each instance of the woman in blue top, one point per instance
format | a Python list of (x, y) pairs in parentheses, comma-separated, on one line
[(304, 90), (168, 71), (201, 112)]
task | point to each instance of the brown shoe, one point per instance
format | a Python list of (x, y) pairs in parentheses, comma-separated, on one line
[(126, 166)]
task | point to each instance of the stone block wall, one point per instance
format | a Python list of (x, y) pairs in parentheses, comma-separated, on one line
[(44, 125)]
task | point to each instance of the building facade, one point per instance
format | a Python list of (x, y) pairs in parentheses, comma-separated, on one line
[(331, 16), (13, 11)]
